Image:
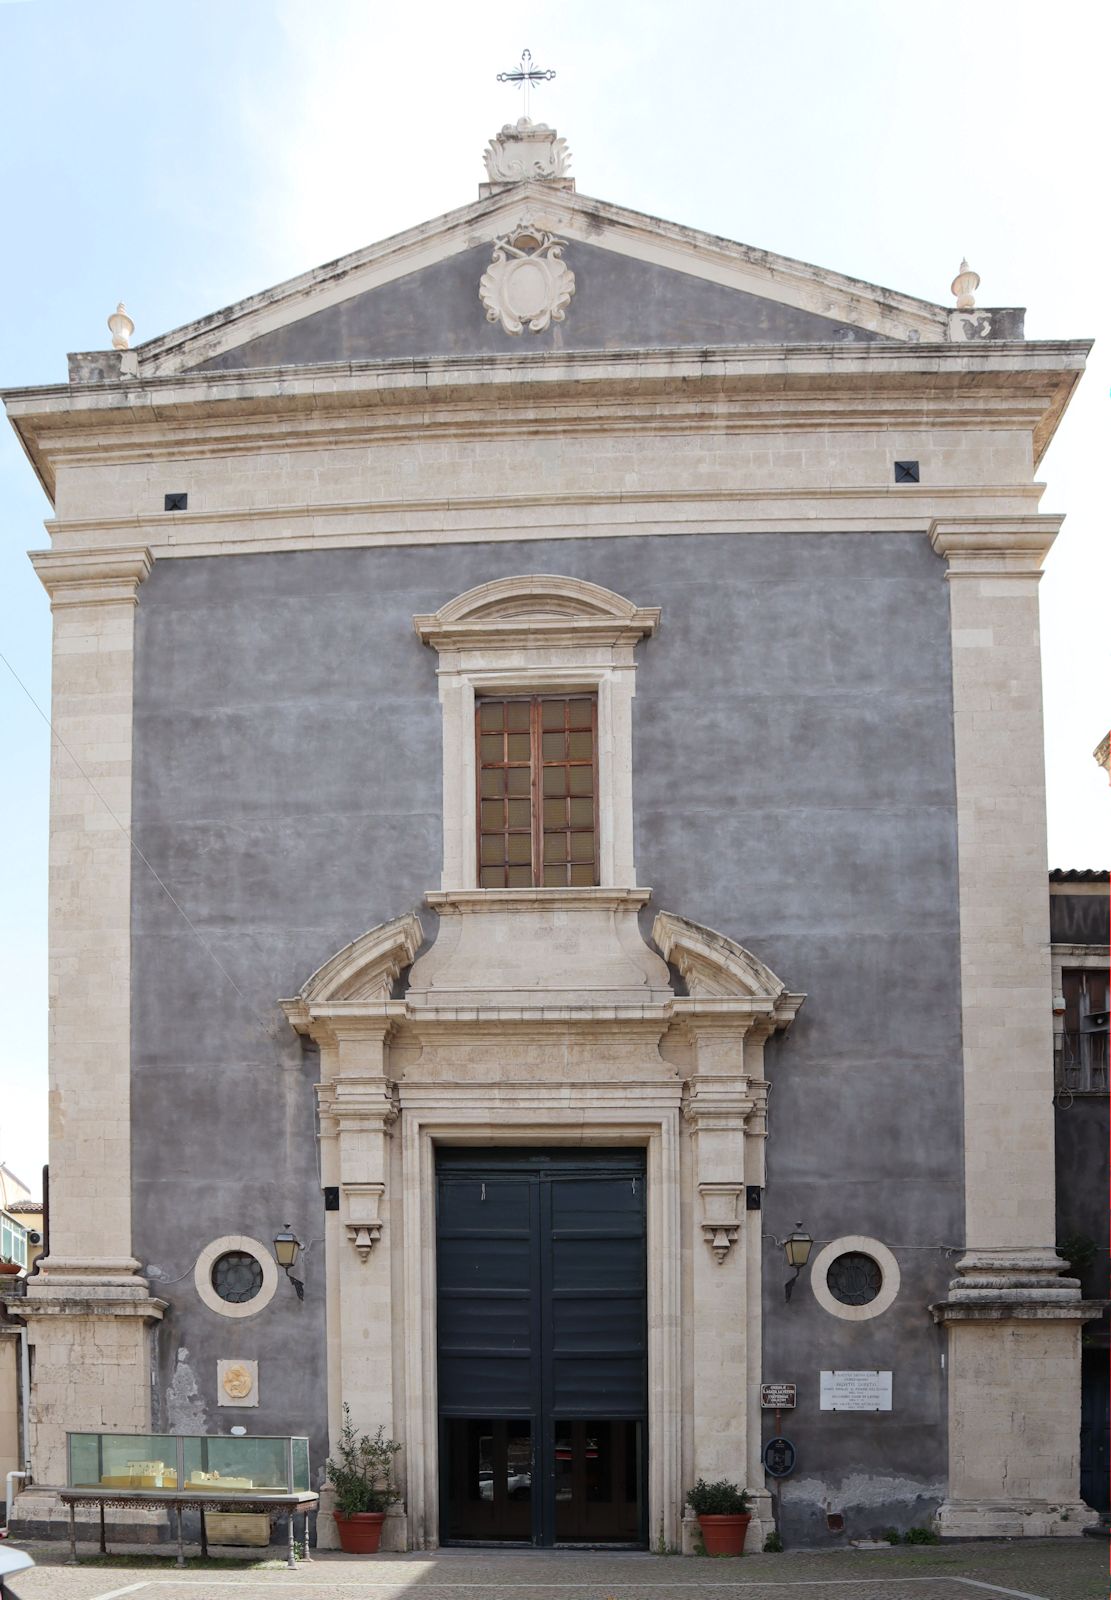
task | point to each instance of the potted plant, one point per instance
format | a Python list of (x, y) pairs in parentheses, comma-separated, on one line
[(362, 1475), (9, 1269), (723, 1516)]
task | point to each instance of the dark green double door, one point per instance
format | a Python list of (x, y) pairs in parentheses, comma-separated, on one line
[(542, 1334)]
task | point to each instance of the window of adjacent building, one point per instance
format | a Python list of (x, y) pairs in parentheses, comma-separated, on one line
[(1082, 1064), (537, 791), (13, 1241)]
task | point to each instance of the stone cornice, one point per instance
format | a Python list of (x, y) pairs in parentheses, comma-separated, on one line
[(995, 547), (60, 1294), (484, 902), (765, 387), (1015, 1310), (92, 577)]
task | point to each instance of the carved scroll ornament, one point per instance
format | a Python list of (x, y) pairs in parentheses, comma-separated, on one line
[(527, 283)]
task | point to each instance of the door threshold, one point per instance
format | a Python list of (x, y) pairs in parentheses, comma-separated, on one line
[(604, 1544), (488, 1544)]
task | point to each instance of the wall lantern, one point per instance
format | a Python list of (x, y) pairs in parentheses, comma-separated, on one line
[(287, 1247), (796, 1247)]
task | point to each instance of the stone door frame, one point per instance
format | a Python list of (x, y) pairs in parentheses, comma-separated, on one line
[(540, 1115)]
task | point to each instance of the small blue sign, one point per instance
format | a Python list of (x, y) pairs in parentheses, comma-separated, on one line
[(779, 1458)]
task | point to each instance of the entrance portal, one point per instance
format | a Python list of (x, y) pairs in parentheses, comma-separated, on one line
[(543, 1353)]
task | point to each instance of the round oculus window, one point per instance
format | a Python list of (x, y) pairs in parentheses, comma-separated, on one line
[(236, 1276), (854, 1278)]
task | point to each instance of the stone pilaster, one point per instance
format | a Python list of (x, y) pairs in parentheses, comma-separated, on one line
[(357, 1114), (346, 1008), (87, 1310), (725, 1111), (1014, 1323)]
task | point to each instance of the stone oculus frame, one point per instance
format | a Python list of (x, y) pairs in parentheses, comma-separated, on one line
[(537, 1017)]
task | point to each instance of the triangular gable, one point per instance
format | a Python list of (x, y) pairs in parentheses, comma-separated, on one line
[(639, 283)]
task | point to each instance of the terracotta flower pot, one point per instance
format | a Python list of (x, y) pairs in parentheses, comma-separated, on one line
[(361, 1534), (10, 1268), (724, 1536)]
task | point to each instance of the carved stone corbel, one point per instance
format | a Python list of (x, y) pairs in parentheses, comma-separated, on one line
[(721, 1223), (364, 1224)]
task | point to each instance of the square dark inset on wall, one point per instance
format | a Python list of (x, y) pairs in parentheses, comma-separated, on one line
[(752, 1197), (176, 502), (331, 1197), (906, 472)]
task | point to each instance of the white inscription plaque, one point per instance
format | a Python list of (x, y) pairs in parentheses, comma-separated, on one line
[(855, 1391)]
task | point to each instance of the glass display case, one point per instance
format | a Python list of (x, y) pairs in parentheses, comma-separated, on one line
[(257, 1464)]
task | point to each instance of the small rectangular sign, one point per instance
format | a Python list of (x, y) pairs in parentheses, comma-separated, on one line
[(855, 1391), (777, 1396)]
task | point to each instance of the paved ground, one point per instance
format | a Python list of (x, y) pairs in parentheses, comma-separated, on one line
[(1032, 1570)]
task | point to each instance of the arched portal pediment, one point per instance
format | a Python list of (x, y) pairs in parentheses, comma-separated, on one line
[(720, 975), (716, 968), (363, 971)]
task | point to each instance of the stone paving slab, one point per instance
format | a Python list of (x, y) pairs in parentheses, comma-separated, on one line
[(1029, 1570)]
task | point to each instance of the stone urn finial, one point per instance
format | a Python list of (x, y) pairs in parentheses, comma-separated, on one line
[(121, 328), (964, 286)]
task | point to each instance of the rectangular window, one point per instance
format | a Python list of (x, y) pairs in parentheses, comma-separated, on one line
[(537, 792), (1082, 1057)]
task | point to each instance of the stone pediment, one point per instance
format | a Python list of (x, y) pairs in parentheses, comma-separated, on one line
[(589, 276), (544, 607), (362, 973)]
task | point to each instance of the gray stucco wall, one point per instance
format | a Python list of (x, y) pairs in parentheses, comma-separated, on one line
[(793, 789), (619, 304)]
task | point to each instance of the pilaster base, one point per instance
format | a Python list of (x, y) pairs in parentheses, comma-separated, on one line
[(1014, 1398), (90, 1347), (1013, 1519)]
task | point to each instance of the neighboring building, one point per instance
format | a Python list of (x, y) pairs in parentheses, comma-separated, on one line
[(20, 1220), (539, 1011), (20, 1240), (1079, 907)]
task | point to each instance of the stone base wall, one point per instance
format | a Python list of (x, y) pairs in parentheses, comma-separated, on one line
[(1014, 1434)]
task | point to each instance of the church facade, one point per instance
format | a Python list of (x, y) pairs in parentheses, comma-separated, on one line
[(547, 804)]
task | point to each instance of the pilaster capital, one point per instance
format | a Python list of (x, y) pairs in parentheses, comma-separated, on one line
[(718, 1103), (92, 577), (358, 1103), (995, 547)]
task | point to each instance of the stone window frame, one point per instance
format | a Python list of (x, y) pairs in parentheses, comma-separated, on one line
[(202, 1275), (531, 635), (848, 1244)]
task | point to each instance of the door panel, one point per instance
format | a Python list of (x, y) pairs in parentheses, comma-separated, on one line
[(487, 1295), (489, 1476), (598, 1482), (542, 1333)]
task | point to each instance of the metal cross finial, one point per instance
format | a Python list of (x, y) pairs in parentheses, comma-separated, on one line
[(526, 75)]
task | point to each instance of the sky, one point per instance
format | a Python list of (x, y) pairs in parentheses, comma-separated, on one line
[(180, 154)]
